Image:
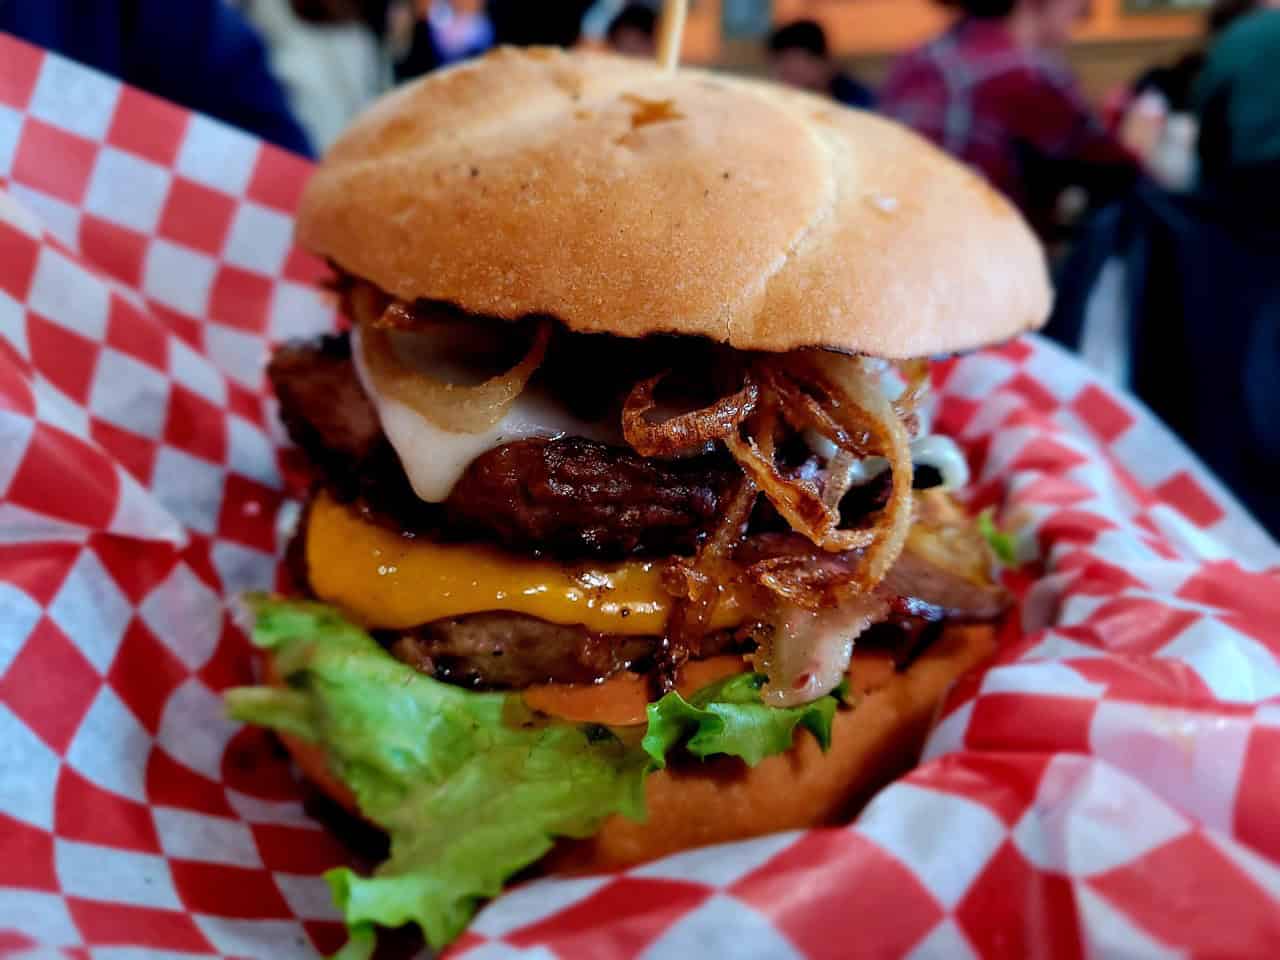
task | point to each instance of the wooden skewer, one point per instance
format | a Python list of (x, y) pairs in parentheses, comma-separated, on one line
[(671, 32)]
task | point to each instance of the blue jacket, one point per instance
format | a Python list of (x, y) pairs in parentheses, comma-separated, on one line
[(198, 53)]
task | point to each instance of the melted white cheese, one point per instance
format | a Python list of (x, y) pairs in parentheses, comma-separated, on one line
[(434, 458), (941, 453), (935, 450)]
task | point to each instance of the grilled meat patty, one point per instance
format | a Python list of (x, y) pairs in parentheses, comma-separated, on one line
[(574, 499), (502, 650), (570, 498)]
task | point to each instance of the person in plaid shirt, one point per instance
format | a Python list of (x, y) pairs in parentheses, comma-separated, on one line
[(994, 91)]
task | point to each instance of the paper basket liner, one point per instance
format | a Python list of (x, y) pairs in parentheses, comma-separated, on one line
[(1107, 787)]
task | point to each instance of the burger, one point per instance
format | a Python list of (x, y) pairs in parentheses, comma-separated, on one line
[(629, 532)]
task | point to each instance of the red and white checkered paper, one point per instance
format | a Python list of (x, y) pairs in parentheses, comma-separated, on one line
[(1106, 788)]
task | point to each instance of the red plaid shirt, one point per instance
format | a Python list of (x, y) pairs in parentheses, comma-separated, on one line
[(983, 98)]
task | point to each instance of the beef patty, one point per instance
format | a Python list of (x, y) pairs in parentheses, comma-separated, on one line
[(502, 650), (574, 499), (570, 498)]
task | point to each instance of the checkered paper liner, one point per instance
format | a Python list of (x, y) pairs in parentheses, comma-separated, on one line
[(1105, 788)]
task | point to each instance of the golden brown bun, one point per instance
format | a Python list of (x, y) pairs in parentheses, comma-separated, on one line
[(529, 182), (723, 800)]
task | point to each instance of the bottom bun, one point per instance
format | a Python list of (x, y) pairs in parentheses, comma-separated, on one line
[(694, 803)]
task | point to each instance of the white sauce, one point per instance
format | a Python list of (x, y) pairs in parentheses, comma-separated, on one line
[(935, 450), (434, 458)]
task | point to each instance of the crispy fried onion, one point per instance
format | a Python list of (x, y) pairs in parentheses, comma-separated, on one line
[(685, 432), (809, 651), (698, 583), (857, 401), (802, 410), (804, 581), (454, 407), (799, 501), (841, 400), (915, 374), (364, 302), (839, 479), (826, 605)]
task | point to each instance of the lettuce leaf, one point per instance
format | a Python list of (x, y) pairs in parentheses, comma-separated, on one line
[(473, 787), (1003, 544), (470, 787), (729, 717)]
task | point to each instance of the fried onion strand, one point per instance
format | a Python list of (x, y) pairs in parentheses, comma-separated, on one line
[(450, 406), (698, 584), (685, 432), (846, 381), (798, 501)]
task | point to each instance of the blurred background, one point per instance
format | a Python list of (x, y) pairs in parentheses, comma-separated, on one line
[(1141, 138)]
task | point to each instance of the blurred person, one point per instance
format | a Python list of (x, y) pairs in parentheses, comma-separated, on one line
[(410, 41), (328, 58), (994, 90), (461, 28), (799, 57), (1183, 289), (1176, 81), (525, 23), (633, 31), (1224, 13), (201, 54), (1156, 111), (1237, 99), (1177, 298)]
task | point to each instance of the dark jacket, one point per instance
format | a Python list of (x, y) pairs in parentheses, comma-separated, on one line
[(1202, 305), (1237, 98), (198, 53), (851, 91)]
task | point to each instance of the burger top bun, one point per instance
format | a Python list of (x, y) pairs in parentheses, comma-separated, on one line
[(623, 199)]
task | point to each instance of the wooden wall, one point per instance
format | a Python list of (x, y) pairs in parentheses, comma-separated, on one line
[(860, 27), (1112, 46)]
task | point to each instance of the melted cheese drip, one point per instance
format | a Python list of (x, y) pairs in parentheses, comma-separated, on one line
[(388, 581), (434, 458)]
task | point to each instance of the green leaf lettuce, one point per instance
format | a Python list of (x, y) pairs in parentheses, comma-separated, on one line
[(469, 788), (729, 717), (1004, 545), (473, 787)]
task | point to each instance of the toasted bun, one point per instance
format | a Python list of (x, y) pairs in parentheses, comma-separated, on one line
[(723, 800), (623, 199)]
